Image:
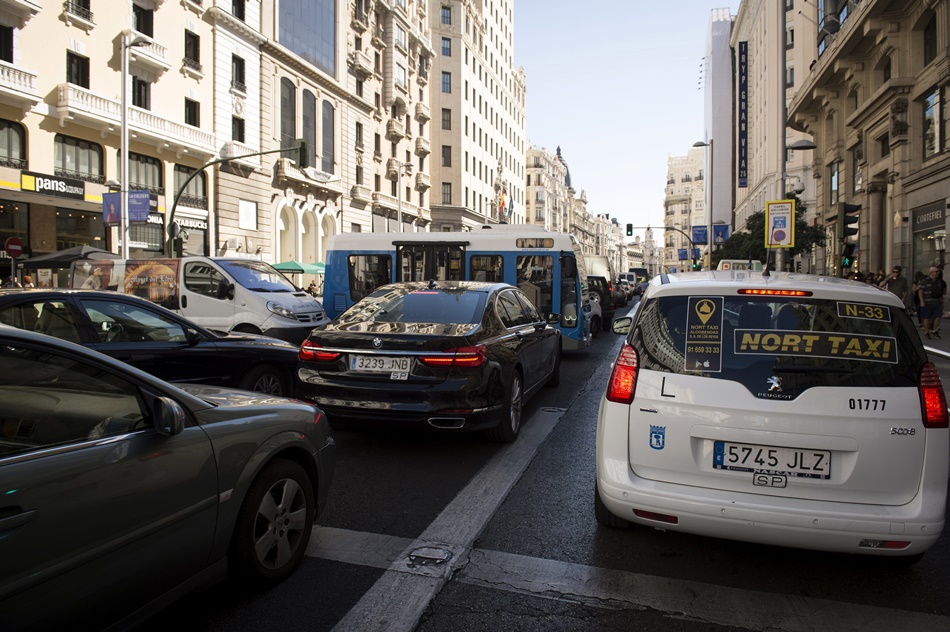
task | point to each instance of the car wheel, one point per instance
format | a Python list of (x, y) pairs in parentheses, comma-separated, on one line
[(273, 528), (594, 326), (603, 515), (246, 329), (507, 430), (555, 378), (264, 379)]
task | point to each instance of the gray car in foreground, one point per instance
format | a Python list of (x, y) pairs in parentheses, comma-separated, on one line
[(121, 492)]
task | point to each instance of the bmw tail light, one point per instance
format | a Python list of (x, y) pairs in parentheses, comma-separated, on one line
[(312, 352), (471, 357), (623, 379), (933, 401)]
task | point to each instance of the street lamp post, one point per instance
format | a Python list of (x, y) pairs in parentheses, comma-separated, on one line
[(399, 170), (127, 42), (709, 207)]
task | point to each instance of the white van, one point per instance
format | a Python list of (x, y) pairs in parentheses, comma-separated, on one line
[(241, 294)]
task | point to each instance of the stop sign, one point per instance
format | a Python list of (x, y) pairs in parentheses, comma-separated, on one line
[(13, 246)]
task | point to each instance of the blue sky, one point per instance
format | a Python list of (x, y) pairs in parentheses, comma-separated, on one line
[(616, 86)]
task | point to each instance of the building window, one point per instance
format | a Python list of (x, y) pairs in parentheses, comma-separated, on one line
[(144, 20), (930, 40), (400, 76), (400, 37), (884, 144), (446, 47), (446, 82), (145, 173), (237, 74), (195, 194), (77, 70), (446, 155), (288, 112), (237, 9), (309, 120), (237, 129), (141, 93), (446, 192), (834, 172), (789, 39), (308, 28), (446, 15), (359, 87), (192, 113), (887, 70), (359, 174), (77, 158), (359, 135), (446, 118), (933, 123), (329, 156), (12, 145), (6, 44), (192, 50), (789, 77)]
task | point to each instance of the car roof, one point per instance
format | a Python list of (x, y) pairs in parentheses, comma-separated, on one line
[(52, 292), (731, 281)]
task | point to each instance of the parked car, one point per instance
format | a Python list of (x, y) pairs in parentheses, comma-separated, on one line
[(123, 492), (595, 316), (154, 339), (788, 410), (600, 291), (627, 287), (453, 355)]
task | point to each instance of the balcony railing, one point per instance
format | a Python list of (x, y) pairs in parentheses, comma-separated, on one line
[(395, 128), (361, 193), (151, 188), (193, 201), (192, 65), (423, 146), (15, 163), (360, 20), (92, 110), (238, 86), (362, 65), (152, 54), (423, 113), (95, 178), (17, 85), (423, 181), (78, 10)]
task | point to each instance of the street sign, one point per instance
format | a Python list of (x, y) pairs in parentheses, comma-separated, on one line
[(13, 246), (780, 224)]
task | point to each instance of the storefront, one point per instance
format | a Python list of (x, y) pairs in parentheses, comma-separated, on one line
[(929, 226)]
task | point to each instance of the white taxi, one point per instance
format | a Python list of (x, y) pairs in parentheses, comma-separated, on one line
[(789, 409)]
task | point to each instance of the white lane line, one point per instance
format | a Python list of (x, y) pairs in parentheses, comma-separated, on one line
[(611, 589), (398, 598)]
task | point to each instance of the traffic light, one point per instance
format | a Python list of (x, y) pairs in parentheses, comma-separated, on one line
[(629, 230), (303, 153), (848, 216), (847, 255)]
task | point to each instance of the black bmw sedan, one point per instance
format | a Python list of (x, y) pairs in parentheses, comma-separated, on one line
[(456, 355), (153, 339)]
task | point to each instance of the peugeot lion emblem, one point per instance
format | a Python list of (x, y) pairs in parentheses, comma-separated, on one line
[(775, 384), (377, 342)]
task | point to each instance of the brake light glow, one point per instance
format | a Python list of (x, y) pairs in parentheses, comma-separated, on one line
[(468, 357), (312, 352), (933, 401), (623, 378), (768, 292)]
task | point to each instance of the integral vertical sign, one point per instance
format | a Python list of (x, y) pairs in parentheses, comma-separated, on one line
[(780, 224), (743, 158)]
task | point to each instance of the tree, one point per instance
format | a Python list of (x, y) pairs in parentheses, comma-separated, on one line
[(750, 242)]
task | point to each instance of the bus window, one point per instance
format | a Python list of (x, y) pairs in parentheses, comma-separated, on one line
[(421, 262), (488, 268), (368, 272), (536, 280)]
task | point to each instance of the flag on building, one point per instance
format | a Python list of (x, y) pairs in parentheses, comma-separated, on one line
[(501, 204), (511, 209)]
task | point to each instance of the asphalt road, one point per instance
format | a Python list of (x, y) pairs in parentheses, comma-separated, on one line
[(439, 533)]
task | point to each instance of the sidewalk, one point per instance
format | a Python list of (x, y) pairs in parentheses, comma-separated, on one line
[(932, 345)]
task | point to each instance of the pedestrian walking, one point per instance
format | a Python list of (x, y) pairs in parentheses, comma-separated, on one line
[(931, 292), (896, 283)]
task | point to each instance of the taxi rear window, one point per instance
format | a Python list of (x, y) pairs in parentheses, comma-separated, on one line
[(803, 341)]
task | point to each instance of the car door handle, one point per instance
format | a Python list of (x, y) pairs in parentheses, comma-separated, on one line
[(15, 522)]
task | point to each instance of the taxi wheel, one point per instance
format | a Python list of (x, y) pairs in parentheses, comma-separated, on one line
[(507, 430), (603, 515), (273, 527)]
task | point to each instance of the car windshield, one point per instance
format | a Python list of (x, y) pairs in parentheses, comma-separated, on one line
[(805, 342), (400, 305), (258, 276)]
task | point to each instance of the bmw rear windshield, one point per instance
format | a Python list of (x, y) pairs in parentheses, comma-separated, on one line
[(402, 305), (806, 342)]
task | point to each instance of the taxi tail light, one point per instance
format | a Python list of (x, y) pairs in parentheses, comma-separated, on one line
[(933, 401), (312, 352), (623, 378), (465, 357)]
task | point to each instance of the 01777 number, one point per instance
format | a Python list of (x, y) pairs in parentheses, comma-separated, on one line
[(866, 404)]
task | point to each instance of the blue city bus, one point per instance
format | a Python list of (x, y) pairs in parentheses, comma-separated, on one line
[(548, 267)]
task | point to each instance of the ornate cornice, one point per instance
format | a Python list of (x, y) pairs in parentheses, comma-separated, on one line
[(219, 15)]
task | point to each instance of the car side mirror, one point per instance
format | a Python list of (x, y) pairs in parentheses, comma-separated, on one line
[(225, 290), (169, 416), (553, 319), (192, 336), (621, 325)]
